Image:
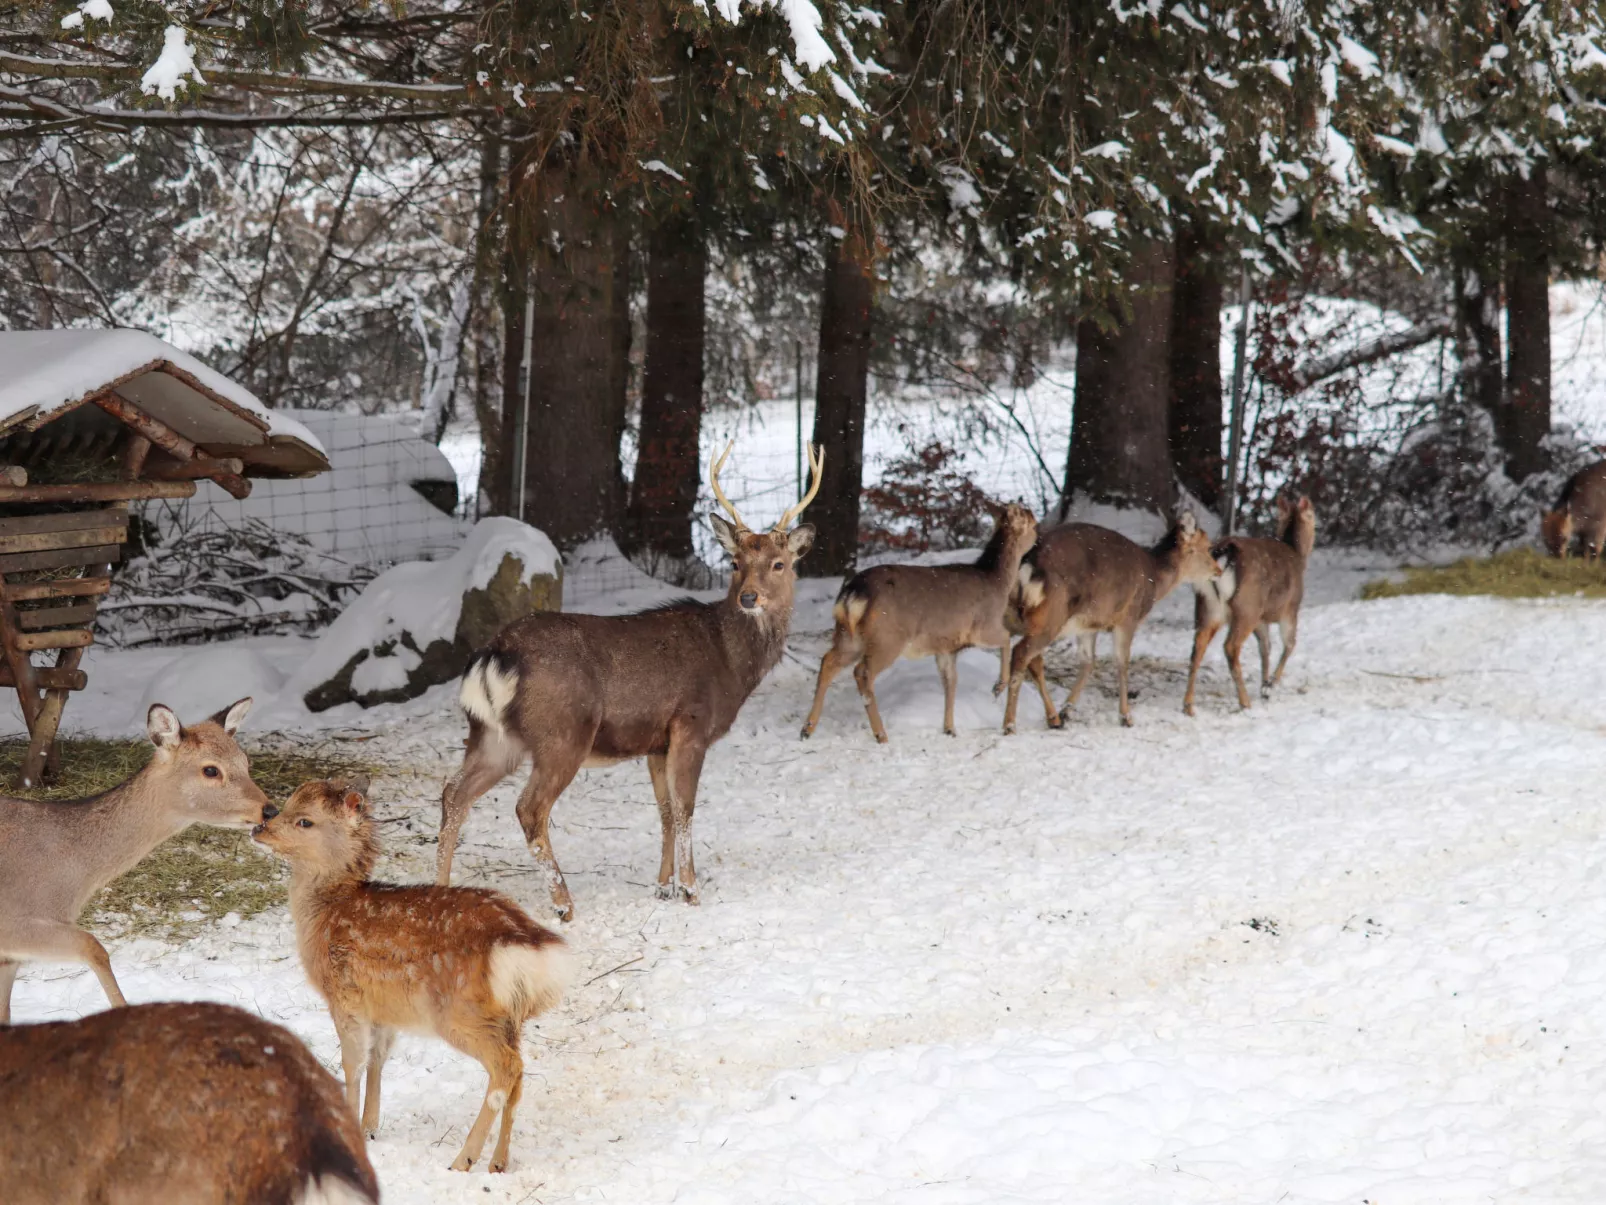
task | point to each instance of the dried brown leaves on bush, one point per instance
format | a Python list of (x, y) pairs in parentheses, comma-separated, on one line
[(925, 503)]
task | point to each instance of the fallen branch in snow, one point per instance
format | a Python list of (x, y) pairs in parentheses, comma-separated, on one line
[(1380, 348), (620, 967)]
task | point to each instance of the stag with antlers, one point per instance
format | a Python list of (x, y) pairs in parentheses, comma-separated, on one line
[(665, 684)]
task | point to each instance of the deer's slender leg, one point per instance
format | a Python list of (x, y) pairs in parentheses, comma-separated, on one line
[(1263, 640), (1123, 662), (1237, 637), (685, 767), (514, 1092), (1051, 713), (1289, 628), (833, 663), (497, 1049), (1087, 645), (490, 758), (865, 673), (656, 767), (1203, 633), (356, 1043), (38, 939), (1003, 668), (8, 976), (1028, 649), (948, 671), (552, 768), (380, 1042)]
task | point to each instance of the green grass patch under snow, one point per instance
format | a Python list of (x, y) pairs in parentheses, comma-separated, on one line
[(1518, 573)]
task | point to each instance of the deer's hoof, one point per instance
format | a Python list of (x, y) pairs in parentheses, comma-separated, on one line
[(462, 1163), (1009, 730), (565, 912), (807, 732), (949, 732), (497, 1165), (1187, 710), (998, 689), (1126, 721), (880, 738)]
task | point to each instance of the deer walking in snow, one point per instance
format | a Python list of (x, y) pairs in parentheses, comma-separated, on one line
[(54, 856), (463, 963), (1081, 580), (161, 1103), (1580, 513), (1260, 583), (585, 690), (893, 611)]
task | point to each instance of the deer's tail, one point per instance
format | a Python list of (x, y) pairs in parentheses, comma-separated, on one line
[(489, 685), (851, 604), (529, 977)]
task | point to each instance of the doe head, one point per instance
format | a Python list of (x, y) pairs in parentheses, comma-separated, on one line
[(1196, 564), (1556, 526), (764, 564), (324, 824), (1019, 522), (205, 776)]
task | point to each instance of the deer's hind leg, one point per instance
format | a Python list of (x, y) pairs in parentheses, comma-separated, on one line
[(491, 756), (870, 667), (836, 660), (948, 671), (38, 939), (1123, 662), (553, 766), (1237, 637), (1087, 643), (494, 1041), (1289, 628), (1263, 640)]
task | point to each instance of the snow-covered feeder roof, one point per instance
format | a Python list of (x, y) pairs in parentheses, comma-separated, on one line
[(45, 374)]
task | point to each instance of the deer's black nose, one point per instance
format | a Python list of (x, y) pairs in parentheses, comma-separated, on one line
[(269, 812), (750, 600)]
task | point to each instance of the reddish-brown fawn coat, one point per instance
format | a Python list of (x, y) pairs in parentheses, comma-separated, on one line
[(173, 1104), (584, 690), (463, 963), (1081, 580), (893, 611), (54, 856), (1262, 582), (1580, 513)]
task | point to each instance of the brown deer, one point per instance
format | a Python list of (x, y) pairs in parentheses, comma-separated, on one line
[(463, 963), (162, 1103), (54, 856), (1081, 580), (585, 690), (893, 611), (1261, 582), (1580, 513)]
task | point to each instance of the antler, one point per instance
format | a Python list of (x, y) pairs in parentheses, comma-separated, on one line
[(817, 473), (719, 494)]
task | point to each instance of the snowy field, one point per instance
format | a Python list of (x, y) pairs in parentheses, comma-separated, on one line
[(1348, 947)]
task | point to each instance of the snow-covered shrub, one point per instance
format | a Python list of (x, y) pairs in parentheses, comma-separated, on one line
[(924, 502)]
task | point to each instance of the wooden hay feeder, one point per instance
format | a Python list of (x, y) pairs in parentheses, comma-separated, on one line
[(91, 421)]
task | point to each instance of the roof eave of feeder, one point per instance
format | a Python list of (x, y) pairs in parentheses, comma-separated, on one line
[(45, 374)]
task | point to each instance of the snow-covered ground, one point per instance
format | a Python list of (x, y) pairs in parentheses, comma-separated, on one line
[(1349, 946)]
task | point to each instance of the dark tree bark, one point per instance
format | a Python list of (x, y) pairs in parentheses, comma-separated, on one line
[(841, 390), (515, 292), (573, 487), (1195, 415), (1119, 449), (668, 468), (483, 335), (1477, 331), (1527, 401)]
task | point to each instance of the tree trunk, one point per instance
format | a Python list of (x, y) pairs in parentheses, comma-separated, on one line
[(1195, 414), (1477, 323), (516, 254), (573, 487), (487, 366), (1119, 453), (1527, 409), (841, 390), (668, 463)]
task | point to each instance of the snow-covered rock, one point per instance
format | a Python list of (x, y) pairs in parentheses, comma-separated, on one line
[(417, 624)]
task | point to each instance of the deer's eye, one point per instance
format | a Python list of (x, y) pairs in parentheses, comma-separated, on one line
[(304, 823), (211, 771), (778, 566)]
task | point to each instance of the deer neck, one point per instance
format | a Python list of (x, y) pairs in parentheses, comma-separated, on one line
[(1165, 568), (752, 644), (122, 826)]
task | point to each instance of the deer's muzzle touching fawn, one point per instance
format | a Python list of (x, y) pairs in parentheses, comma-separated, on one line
[(1081, 580), (568, 691), (1261, 582), (462, 963), (1580, 514), (164, 1103), (893, 611), (55, 856)]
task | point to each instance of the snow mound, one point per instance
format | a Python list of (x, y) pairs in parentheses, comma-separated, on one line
[(202, 683)]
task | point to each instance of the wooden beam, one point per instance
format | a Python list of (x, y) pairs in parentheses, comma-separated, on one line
[(61, 558), (73, 638), (158, 432), (71, 587), (76, 520), (50, 679), (55, 617), (97, 491), (190, 470), (43, 758), (134, 454), (233, 484), (49, 541)]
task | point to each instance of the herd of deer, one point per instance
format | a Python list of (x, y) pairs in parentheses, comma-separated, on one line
[(199, 1102)]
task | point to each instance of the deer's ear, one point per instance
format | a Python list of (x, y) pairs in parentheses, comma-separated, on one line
[(353, 797), (232, 716), (162, 726), (1304, 505), (800, 539), (1282, 506), (725, 532)]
